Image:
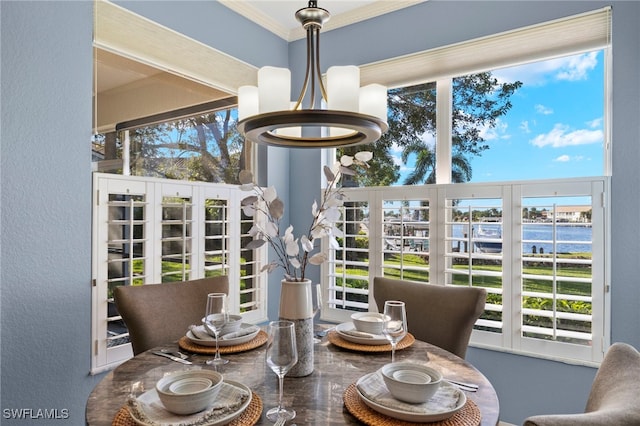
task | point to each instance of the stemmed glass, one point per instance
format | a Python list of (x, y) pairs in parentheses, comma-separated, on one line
[(281, 356), (395, 324), (316, 303), (216, 316)]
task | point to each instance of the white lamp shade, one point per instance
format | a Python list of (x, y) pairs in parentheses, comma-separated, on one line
[(343, 92), (373, 101), (274, 89), (247, 101), (343, 88)]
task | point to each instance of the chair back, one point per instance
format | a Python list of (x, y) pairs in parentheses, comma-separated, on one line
[(157, 314), (441, 315), (614, 398)]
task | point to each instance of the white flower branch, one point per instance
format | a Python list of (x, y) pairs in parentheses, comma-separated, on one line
[(265, 201)]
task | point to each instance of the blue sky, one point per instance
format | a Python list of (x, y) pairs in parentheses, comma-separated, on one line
[(555, 127)]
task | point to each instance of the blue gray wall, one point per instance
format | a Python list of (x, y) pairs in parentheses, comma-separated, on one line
[(45, 232), (45, 185)]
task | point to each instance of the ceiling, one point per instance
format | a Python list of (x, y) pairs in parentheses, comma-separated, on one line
[(278, 16)]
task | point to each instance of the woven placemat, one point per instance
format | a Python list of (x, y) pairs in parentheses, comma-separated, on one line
[(469, 414), (249, 416), (335, 339), (188, 345)]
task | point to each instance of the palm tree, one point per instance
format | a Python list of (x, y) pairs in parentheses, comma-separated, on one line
[(478, 102), (424, 170)]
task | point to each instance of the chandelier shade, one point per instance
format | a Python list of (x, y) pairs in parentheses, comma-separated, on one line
[(354, 115)]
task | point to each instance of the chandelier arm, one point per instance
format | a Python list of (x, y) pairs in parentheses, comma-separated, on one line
[(323, 90), (308, 72), (311, 33)]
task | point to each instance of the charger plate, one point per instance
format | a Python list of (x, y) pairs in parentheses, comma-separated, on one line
[(346, 327), (468, 415), (225, 342), (335, 339), (256, 342), (249, 416)]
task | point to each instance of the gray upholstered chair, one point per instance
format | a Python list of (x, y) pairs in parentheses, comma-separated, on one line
[(156, 314), (614, 398), (441, 315)]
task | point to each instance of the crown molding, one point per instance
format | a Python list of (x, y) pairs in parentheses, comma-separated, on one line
[(353, 16), (245, 9)]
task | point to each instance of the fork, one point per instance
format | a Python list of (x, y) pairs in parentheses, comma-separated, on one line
[(280, 421), (469, 387), (175, 353)]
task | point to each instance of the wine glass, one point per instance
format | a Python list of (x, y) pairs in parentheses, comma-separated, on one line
[(395, 323), (316, 303), (281, 356), (216, 316)]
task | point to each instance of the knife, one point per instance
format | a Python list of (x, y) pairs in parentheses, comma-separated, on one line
[(173, 358)]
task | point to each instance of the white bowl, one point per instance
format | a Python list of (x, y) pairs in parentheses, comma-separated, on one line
[(411, 382), (190, 385), (189, 402), (368, 322), (233, 325)]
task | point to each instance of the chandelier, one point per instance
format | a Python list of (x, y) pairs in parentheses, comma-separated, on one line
[(354, 115)]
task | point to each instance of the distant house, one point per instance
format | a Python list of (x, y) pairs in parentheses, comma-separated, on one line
[(578, 214)]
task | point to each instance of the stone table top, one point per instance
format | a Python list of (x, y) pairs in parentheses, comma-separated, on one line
[(317, 398)]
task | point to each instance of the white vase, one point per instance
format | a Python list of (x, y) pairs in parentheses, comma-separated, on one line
[(296, 305)]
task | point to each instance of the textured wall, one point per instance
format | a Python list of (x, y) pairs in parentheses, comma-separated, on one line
[(46, 209)]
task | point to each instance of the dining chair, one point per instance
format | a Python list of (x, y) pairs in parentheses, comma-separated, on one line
[(156, 314), (441, 315), (614, 398)]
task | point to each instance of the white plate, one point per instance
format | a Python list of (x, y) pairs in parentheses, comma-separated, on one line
[(158, 415), (412, 416), (224, 342), (379, 339)]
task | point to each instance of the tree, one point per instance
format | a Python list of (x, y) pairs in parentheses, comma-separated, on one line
[(478, 101), (204, 147)]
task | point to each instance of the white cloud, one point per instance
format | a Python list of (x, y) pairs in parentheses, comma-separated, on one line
[(570, 68), (524, 126), (565, 158), (561, 135), (541, 109), (429, 139), (594, 124), (395, 149), (497, 132), (578, 67)]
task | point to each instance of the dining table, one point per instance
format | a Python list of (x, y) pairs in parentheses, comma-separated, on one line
[(327, 396)]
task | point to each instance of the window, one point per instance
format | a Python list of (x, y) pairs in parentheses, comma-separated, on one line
[(532, 227), (162, 225), (536, 247), (150, 231), (203, 146)]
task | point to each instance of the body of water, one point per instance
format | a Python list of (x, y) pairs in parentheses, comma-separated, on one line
[(538, 237)]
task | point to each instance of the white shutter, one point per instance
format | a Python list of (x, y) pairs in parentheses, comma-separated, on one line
[(150, 231), (549, 304)]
